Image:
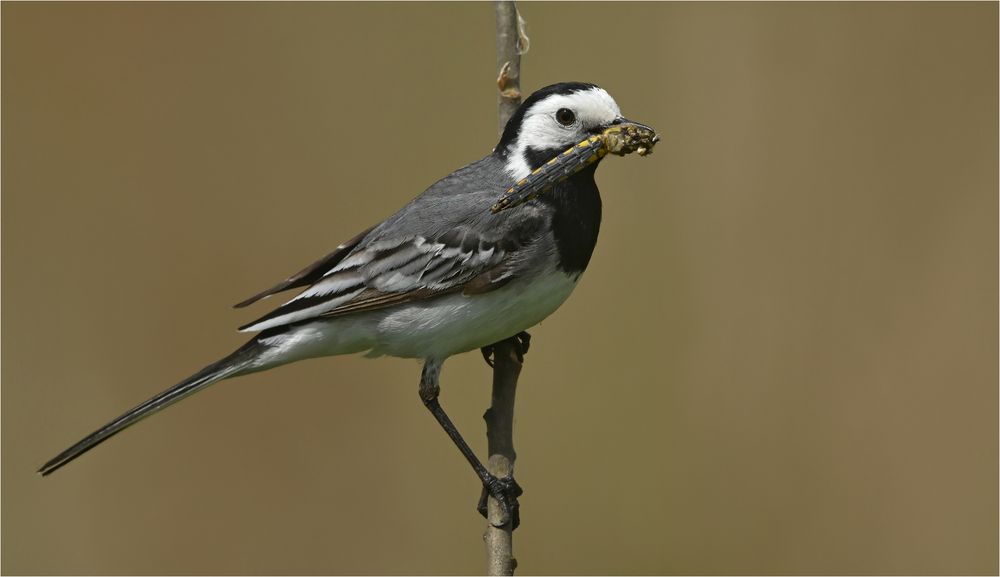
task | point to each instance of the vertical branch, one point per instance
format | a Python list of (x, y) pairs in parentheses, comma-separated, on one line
[(500, 436), (511, 43)]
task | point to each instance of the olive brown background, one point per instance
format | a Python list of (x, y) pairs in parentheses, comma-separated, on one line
[(783, 358)]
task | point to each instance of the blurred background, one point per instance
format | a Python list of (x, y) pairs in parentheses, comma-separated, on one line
[(783, 358)]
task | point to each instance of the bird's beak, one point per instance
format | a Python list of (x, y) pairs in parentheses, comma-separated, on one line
[(620, 136)]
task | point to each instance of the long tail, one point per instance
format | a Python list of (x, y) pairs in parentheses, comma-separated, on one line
[(230, 366)]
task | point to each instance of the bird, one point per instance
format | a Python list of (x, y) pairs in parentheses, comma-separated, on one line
[(480, 256)]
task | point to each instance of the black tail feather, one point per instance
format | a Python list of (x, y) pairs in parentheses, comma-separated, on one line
[(229, 366)]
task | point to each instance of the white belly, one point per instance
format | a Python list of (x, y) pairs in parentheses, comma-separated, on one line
[(435, 328), (458, 323)]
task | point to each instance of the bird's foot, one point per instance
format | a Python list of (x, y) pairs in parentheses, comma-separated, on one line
[(506, 491), (521, 339), (523, 342)]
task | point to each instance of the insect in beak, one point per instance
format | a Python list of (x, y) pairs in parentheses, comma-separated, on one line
[(620, 137)]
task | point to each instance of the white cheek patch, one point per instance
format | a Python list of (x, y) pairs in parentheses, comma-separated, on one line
[(540, 130)]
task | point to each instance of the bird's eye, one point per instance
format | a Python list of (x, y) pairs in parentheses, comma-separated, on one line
[(565, 116)]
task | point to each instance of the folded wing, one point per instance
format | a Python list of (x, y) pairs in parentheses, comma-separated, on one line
[(389, 272)]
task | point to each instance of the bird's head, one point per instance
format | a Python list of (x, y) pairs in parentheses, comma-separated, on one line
[(537, 142)]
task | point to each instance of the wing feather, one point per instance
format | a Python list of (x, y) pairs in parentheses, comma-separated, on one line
[(311, 273), (390, 272)]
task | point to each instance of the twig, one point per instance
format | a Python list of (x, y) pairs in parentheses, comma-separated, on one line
[(511, 43), (500, 435)]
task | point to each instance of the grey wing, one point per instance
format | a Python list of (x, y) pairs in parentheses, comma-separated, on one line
[(387, 272)]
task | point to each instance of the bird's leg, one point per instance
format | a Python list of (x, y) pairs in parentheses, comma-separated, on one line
[(523, 341), (504, 489)]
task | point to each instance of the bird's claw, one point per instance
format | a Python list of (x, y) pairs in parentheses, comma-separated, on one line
[(506, 491), (487, 354), (523, 341)]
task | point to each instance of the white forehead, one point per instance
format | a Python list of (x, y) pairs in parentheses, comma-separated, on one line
[(592, 106)]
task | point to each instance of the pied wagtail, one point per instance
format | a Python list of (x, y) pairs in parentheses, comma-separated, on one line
[(483, 254)]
